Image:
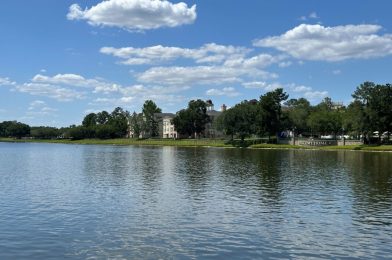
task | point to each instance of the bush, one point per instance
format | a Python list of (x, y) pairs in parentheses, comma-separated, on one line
[(105, 131), (77, 133), (44, 132)]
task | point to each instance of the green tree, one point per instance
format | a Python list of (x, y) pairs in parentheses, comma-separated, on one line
[(151, 124), (136, 124), (198, 115), (325, 119), (240, 120), (354, 118), (90, 120), (105, 131), (183, 123), (193, 119), (377, 104), (271, 111), (298, 111), (119, 121), (77, 133), (44, 132), (103, 117), (14, 129)]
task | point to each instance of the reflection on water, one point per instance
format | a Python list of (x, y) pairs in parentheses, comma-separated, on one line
[(72, 201)]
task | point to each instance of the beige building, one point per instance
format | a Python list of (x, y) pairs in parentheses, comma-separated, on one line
[(168, 130)]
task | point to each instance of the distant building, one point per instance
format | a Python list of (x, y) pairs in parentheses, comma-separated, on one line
[(166, 127), (337, 105)]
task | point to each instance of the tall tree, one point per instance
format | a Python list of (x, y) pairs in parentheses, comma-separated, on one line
[(14, 129), (183, 123), (136, 124), (198, 115), (193, 119), (151, 126), (44, 132), (240, 120), (103, 117), (298, 111), (119, 121), (325, 118), (90, 120), (354, 120), (271, 111), (377, 104)]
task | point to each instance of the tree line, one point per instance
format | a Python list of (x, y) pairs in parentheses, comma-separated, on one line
[(368, 116)]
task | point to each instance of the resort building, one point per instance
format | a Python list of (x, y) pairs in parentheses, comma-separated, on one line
[(166, 127)]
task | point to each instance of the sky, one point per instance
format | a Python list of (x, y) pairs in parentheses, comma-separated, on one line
[(60, 60)]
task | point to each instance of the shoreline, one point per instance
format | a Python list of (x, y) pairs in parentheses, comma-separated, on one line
[(199, 143)]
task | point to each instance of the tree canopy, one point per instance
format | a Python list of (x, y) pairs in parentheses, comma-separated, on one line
[(151, 125), (193, 119)]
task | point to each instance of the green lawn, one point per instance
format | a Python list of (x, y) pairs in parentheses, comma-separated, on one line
[(197, 143), (127, 141)]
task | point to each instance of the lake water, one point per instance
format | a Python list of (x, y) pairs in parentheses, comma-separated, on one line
[(107, 202)]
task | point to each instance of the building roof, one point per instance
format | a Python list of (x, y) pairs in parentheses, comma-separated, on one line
[(162, 115)]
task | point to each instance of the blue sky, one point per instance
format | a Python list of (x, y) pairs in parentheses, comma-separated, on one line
[(60, 60)]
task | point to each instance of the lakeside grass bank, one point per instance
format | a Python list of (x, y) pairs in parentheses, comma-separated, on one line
[(197, 143), (128, 141)]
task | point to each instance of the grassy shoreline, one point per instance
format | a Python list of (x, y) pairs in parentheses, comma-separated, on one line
[(198, 143)]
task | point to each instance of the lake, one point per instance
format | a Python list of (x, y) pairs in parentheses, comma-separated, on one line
[(110, 202)]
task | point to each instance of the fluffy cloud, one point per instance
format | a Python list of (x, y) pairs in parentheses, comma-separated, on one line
[(262, 85), (293, 89), (199, 75), (136, 95), (6, 82), (224, 64), (316, 42), (228, 91), (208, 53), (135, 14), (70, 87), (74, 80), (40, 108), (50, 91)]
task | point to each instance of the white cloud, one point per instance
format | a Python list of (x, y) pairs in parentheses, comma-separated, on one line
[(293, 89), (225, 64), (39, 108), (51, 91), (285, 64), (199, 75), (74, 80), (316, 42), (6, 82), (262, 85), (208, 53), (135, 14), (262, 60), (312, 15), (315, 95), (301, 88), (228, 91), (336, 72), (35, 104)]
